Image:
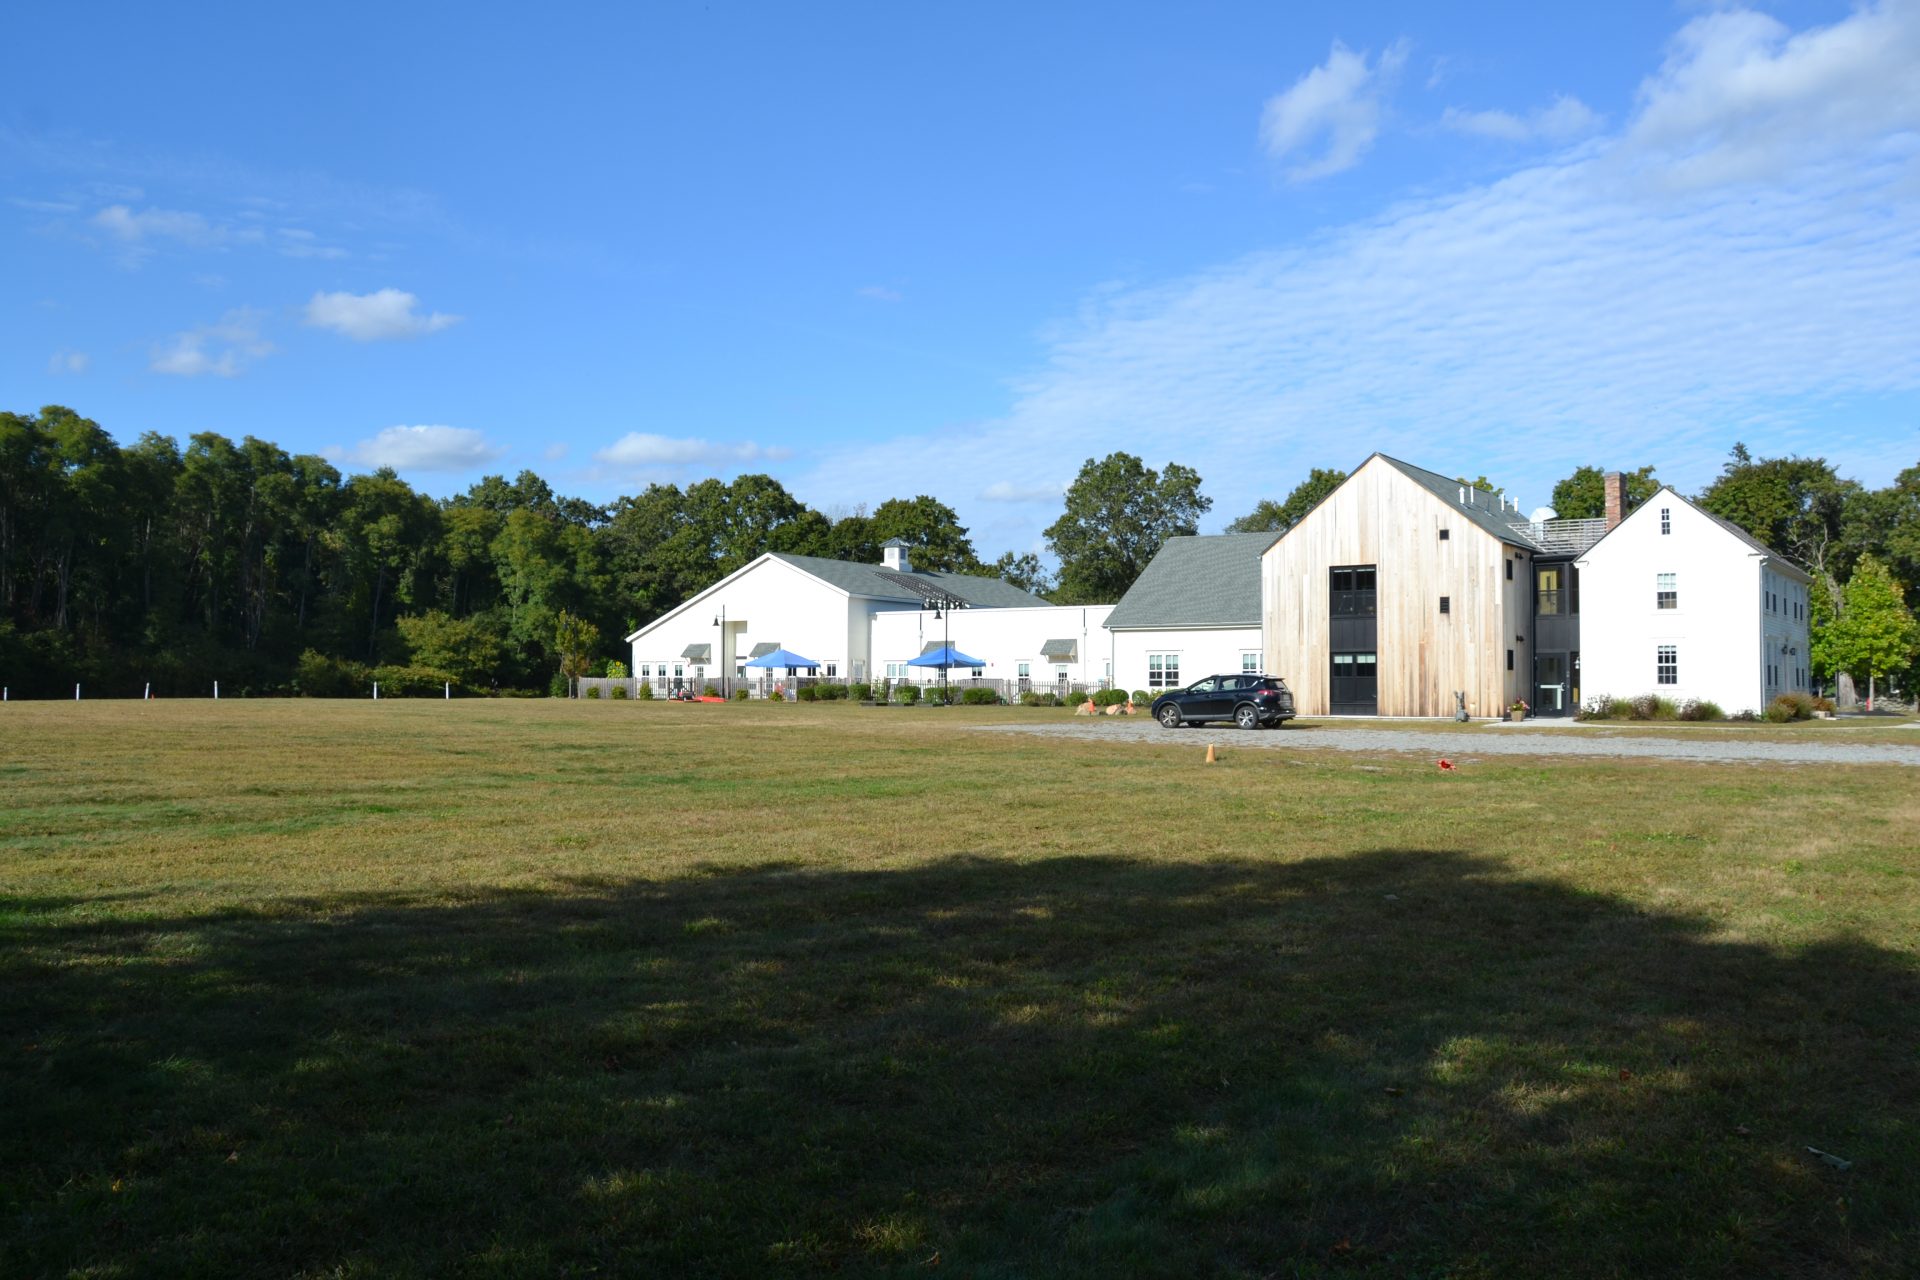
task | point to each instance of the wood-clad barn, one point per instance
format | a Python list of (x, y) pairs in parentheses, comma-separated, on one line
[(1399, 589)]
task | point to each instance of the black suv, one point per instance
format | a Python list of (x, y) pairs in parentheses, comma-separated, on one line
[(1250, 700)]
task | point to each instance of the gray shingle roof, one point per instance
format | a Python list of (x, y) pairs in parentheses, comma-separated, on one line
[(1504, 525), (890, 584), (1065, 649), (1204, 581), (696, 652), (764, 648)]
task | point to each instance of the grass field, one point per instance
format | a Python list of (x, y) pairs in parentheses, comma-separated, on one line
[(545, 988)]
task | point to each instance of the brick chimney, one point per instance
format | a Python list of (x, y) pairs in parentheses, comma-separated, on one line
[(1613, 499)]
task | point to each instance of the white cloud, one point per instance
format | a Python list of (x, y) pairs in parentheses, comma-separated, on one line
[(639, 450), (1023, 491), (432, 448), (1567, 119), (65, 361), (1740, 97), (223, 350), (373, 317), (1555, 317), (1340, 103), (298, 242), (43, 206)]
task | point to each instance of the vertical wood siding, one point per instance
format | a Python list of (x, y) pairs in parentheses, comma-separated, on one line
[(1383, 518)]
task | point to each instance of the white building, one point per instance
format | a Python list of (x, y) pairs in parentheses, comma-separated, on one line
[(1043, 647), (1193, 612), (826, 610), (1678, 602)]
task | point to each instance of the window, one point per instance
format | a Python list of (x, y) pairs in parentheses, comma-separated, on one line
[(1446, 604), (1666, 520), (1549, 600), (1163, 671), (1666, 591), (831, 670), (1509, 568), (1444, 535), (739, 671), (1025, 670), (1666, 665), (1249, 662), (1509, 659), (978, 672), (1354, 591)]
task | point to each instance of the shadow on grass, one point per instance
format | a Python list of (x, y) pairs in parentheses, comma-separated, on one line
[(1398, 1063)]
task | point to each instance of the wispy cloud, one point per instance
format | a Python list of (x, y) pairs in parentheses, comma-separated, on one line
[(640, 451), (1649, 296), (65, 361), (298, 242), (1023, 491), (1336, 108), (425, 448), (383, 315), (1564, 121), (223, 350)]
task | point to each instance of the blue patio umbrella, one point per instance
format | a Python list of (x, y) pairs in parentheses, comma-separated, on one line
[(945, 656), (783, 658)]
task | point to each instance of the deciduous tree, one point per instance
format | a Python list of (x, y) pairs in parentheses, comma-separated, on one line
[(1119, 513)]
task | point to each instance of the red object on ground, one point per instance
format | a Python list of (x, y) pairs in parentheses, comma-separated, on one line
[(704, 698), (1446, 765)]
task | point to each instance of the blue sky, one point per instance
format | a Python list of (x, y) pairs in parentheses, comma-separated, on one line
[(878, 250)]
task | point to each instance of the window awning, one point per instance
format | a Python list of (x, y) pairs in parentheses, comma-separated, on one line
[(1064, 650), (696, 652), (764, 648)]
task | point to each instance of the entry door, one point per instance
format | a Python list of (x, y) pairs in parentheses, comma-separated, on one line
[(1355, 688), (1550, 684)]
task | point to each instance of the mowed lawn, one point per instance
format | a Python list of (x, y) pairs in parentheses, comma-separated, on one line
[(546, 988)]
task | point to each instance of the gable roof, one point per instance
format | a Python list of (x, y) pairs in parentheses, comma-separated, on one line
[(1746, 539), (1504, 525), (883, 583), (1210, 580)]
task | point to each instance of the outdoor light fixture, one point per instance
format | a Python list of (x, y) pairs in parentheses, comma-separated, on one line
[(943, 607)]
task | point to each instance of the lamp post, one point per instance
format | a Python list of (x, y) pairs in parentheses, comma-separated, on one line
[(726, 667), (943, 607)]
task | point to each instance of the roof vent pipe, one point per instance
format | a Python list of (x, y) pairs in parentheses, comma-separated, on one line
[(1463, 495)]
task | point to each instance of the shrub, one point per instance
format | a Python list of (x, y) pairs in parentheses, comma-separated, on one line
[(317, 676), (775, 697), (1110, 697), (1700, 709), (558, 687), (593, 691), (1031, 698), (411, 682), (1603, 706), (833, 693), (1142, 698), (710, 691), (1790, 706), (1049, 699), (739, 695), (807, 693), (980, 698), (907, 694), (646, 693), (862, 693), (1651, 706), (1746, 715), (617, 670), (618, 693), (1823, 704)]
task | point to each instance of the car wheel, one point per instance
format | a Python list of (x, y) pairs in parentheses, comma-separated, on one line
[(1170, 716), (1247, 716)]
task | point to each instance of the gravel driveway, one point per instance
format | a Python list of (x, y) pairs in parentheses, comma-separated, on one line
[(1498, 742)]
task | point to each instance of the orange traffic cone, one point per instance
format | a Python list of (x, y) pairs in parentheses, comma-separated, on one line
[(1211, 757)]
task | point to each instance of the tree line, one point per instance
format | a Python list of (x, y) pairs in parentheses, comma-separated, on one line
[(124, 566), (152, 564)]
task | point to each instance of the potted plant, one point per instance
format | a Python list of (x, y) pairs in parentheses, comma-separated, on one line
[(1519, 709)]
